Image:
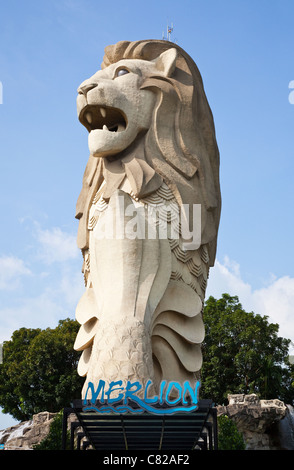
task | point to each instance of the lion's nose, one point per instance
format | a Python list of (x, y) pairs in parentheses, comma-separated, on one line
[(83, 89)]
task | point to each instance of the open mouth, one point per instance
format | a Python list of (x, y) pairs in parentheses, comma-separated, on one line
[(103, 118)]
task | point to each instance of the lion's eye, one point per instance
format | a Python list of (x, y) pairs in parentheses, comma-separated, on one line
[(122, 72)]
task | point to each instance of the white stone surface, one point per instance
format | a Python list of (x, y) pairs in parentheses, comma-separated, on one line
[(152, 150)]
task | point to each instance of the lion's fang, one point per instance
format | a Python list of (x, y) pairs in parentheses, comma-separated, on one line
[(103, 112), (105, 128), (89, 117)]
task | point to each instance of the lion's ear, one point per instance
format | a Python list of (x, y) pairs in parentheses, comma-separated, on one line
[(166, 62)]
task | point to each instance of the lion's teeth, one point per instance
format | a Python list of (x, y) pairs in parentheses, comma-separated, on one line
[(105, 128), (103, 112), (120, 127), (89, 117)]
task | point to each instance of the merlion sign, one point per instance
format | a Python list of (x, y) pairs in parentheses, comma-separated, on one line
[(128, 400), (148, 215)]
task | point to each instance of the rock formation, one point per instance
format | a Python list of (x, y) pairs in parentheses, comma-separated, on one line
[(258, 420), (26, 434)]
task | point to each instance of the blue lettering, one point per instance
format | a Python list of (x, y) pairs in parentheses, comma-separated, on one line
[(101, 385), (162, 385), (131, 393), (170, 386), (112, 389), (194, 395), (146, 399)]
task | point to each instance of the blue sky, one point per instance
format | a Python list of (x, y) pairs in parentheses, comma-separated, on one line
[(244, 50)]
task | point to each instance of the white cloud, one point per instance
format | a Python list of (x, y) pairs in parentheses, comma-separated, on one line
[(41, 311), (56, 245), (55, 302), (226, 278), (276, 300), (51, 294), (11, 271), (72, 287)]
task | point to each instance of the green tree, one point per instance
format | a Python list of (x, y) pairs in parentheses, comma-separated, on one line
[(229, 438), (39, 370), (242, 353), (53, 440)]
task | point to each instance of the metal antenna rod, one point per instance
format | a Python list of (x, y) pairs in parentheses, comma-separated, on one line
[(169, 30)]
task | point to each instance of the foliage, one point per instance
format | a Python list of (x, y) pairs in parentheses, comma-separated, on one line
[(53, 440), (242, 353), (229, 438), (39, 370)]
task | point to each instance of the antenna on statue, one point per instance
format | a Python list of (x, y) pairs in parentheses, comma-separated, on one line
[(169, 30)]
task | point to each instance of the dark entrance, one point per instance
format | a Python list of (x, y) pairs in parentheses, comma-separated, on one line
[(196, 430)]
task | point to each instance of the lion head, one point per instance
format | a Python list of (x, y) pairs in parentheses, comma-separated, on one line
[(148, 119)]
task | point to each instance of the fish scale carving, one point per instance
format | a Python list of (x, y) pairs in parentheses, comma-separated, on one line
[(128, 348)]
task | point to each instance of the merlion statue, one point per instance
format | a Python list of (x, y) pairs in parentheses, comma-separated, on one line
[(153, 151)]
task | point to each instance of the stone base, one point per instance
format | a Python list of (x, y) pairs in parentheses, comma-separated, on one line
[(256, 419)]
